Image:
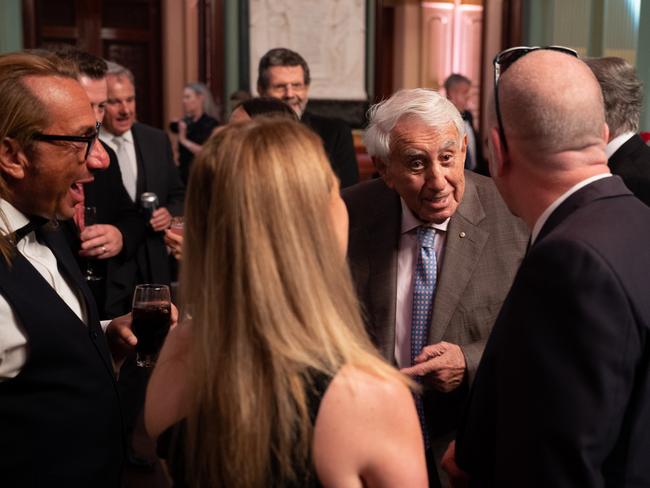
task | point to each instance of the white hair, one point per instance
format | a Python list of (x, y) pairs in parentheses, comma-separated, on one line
[(428, 105)]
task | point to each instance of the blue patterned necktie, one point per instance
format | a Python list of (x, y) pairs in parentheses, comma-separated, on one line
[(424, 286)]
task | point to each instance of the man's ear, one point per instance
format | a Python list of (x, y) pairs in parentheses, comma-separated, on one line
[(12, 158), (498, 160)]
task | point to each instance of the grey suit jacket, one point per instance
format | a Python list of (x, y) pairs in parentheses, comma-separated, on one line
[(484, 246)]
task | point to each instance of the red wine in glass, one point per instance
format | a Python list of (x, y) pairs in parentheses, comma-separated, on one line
[(151, 315)]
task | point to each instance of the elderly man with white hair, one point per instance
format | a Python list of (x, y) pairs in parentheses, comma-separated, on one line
[(433, 251)]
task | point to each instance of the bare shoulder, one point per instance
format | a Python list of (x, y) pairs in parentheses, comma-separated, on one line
[(367, 432), (355, 388)]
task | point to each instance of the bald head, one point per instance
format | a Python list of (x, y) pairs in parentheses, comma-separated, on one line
[(551, 102)]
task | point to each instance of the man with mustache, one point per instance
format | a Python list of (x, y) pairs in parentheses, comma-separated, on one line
[(433, 251), (59, 410)]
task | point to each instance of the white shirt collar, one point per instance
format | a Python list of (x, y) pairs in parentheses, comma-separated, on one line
[(615, 144), (109, 138), (15, 218), (549, 210), (410, 221)]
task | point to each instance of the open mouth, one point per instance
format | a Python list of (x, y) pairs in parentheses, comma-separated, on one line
[(76, 190), (437, 201)]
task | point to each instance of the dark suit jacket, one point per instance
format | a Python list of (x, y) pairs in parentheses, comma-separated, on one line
[(632, 163), (562, 395), (481, 166), (114, 207), (337, 140), (484, 246), (157, 173)]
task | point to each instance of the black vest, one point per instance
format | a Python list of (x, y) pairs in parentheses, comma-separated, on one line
[(60, 419)]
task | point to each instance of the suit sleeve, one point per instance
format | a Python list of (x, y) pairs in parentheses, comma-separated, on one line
[(566, 368), (344, 158), (176, 189)]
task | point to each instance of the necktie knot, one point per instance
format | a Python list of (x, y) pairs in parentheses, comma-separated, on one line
[(426, 236)]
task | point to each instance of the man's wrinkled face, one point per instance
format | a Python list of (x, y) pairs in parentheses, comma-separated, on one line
[(120, 107), (426, 168), (288, 84), (459, 95)]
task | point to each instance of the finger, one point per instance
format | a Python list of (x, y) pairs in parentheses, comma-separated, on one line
[(429, 352), (93, 243), (128, 337), (416, 370)]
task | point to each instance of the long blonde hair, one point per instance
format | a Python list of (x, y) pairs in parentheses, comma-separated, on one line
[(271, 300)]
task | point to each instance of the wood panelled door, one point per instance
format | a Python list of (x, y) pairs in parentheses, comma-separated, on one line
[(125, 31)]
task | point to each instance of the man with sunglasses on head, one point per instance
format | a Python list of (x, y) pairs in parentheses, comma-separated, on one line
[(561, 397), (60, 420)]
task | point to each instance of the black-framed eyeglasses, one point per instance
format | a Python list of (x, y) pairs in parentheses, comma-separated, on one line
[(503, 61), (89, 140)]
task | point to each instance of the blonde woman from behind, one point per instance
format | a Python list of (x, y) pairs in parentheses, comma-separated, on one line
[(274, 380)]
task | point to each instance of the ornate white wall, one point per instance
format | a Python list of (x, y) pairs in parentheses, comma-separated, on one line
[(330, 35)]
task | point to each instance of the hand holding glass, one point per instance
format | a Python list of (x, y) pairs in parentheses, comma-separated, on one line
[(151, 321)]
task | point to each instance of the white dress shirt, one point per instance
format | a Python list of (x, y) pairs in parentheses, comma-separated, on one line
[(615, 144), (129, 164), (13, 340), (406, 262)]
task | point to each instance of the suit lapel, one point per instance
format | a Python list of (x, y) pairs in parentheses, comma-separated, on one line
[(463, 248), (624, 152), (606, 187), (53, 238)]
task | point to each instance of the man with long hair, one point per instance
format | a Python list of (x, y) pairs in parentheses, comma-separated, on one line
[(59, 409)]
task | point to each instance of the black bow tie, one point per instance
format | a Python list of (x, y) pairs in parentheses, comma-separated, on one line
[(34, 224)]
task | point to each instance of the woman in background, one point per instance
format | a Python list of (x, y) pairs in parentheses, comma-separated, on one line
[(201, 117), (274, 377), (243, 112)]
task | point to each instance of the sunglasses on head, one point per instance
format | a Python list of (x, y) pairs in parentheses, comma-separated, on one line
[(503, 61)]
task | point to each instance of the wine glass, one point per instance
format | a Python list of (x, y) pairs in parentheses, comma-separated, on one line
[(89, 218), (151, 315)]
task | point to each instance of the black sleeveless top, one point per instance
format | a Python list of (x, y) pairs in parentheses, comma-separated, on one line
[(171, 443)]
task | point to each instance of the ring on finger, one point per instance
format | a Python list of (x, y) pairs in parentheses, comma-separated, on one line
[(104, 249)]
